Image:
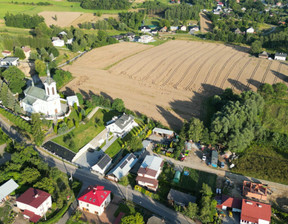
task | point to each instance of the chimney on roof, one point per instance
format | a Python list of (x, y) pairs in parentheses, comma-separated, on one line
[(260, 206), (36, 193)]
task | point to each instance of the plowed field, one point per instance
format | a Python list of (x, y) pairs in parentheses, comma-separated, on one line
[(170, 81)]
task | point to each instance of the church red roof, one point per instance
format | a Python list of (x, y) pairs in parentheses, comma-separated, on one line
[(94, 195)]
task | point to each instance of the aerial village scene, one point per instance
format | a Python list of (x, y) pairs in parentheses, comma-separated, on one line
[(144, 111)]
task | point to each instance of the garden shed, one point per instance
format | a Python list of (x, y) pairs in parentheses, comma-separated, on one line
[(177, 177)]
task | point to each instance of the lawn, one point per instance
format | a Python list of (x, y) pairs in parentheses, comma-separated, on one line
[(188, 184), (114, 149), (56, 6), (275, 116), (85, 132)]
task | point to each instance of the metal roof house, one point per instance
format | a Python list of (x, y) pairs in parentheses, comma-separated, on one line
[(9, 61), (180, 198), (122, 168), (6, 189), (280, 56), (103, 164), (214, 158)]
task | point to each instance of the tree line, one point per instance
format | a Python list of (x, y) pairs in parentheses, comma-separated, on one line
[(183, 12), (104, 4), (22, 20)]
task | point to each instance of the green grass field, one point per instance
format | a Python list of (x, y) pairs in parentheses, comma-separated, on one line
[(275, 116), (84, 133), (113, 149), (64, 5)]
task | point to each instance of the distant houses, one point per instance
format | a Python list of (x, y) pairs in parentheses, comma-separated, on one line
[(6, 53), (250, 30), (264, 55), (145, 39), (145, 29), (149, 171), (94, 200), (34, 203), (27, 51)]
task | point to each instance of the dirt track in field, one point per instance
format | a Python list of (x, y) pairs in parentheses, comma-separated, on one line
[(169, 82)]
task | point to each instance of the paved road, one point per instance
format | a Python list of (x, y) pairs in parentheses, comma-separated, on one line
[(124, 192)]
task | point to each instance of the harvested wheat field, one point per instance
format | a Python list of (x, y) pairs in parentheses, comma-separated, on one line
[(89, 17), (169, 82), (62, 19)]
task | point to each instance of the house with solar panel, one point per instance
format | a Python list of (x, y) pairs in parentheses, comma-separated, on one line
[(122, 168), (102, 165), (94, 200), (44, 101), (6, 189), (122, 125)]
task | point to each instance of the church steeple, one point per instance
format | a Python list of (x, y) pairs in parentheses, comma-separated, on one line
[(50, 84)]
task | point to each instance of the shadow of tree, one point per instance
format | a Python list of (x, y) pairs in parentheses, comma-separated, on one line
[(238, 85), (280, 75), (255, 83)]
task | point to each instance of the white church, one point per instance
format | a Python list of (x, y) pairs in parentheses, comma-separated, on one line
[(44, 101)]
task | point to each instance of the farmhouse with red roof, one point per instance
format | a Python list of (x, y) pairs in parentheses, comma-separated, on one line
[(34, 203), (255, 212), (94, 199)]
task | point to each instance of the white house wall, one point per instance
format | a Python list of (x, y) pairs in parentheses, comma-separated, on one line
[(94, 208), (41, 210)]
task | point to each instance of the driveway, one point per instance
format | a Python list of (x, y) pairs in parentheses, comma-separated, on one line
[(231, 220)]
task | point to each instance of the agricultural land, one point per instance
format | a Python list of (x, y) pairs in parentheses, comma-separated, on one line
[(170, 81)]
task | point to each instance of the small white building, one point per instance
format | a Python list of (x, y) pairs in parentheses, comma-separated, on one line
[(194, 29), (94, 200), (102, 165), (173, 28), (250, 30), (45, 101), (6, 53), (6, 189), (71, 100), (26, 51), (149, 171), (146, 39), (122, 168), (34, 203), (183, 28), (165, 133), (69, 41), (145, 29), (280, 56), (9, 61), (122, 125), (57, 42)]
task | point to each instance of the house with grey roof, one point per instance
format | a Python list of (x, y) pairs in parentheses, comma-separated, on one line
[(179, 198), (103, 164), (280, 56), (149, 171), (45, 101), (6, 189), (9, 61), (122, 168), (122, 125)]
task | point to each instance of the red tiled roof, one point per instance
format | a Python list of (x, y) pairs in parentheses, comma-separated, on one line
[(26, 49), (147, 180), (5, 51), (94, 195), (32, 216), (147, 171), (231, 202), (29, 197), (252, 211)]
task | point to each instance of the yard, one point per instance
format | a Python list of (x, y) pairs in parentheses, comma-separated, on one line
[(188, 184), (85, 132), (114, 149), (6, 215)]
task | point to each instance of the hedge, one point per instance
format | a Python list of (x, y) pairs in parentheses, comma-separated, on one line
[(57, 217), (18, 121)]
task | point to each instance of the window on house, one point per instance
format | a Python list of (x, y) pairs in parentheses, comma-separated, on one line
[(48, 91), (53, 91)]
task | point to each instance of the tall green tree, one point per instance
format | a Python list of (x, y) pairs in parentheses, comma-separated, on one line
[(15, 79), (40, 67), (118, 105), (256, 47), (4, 94), (133, 219), (36, 129), (18, 52), (196, 128)]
